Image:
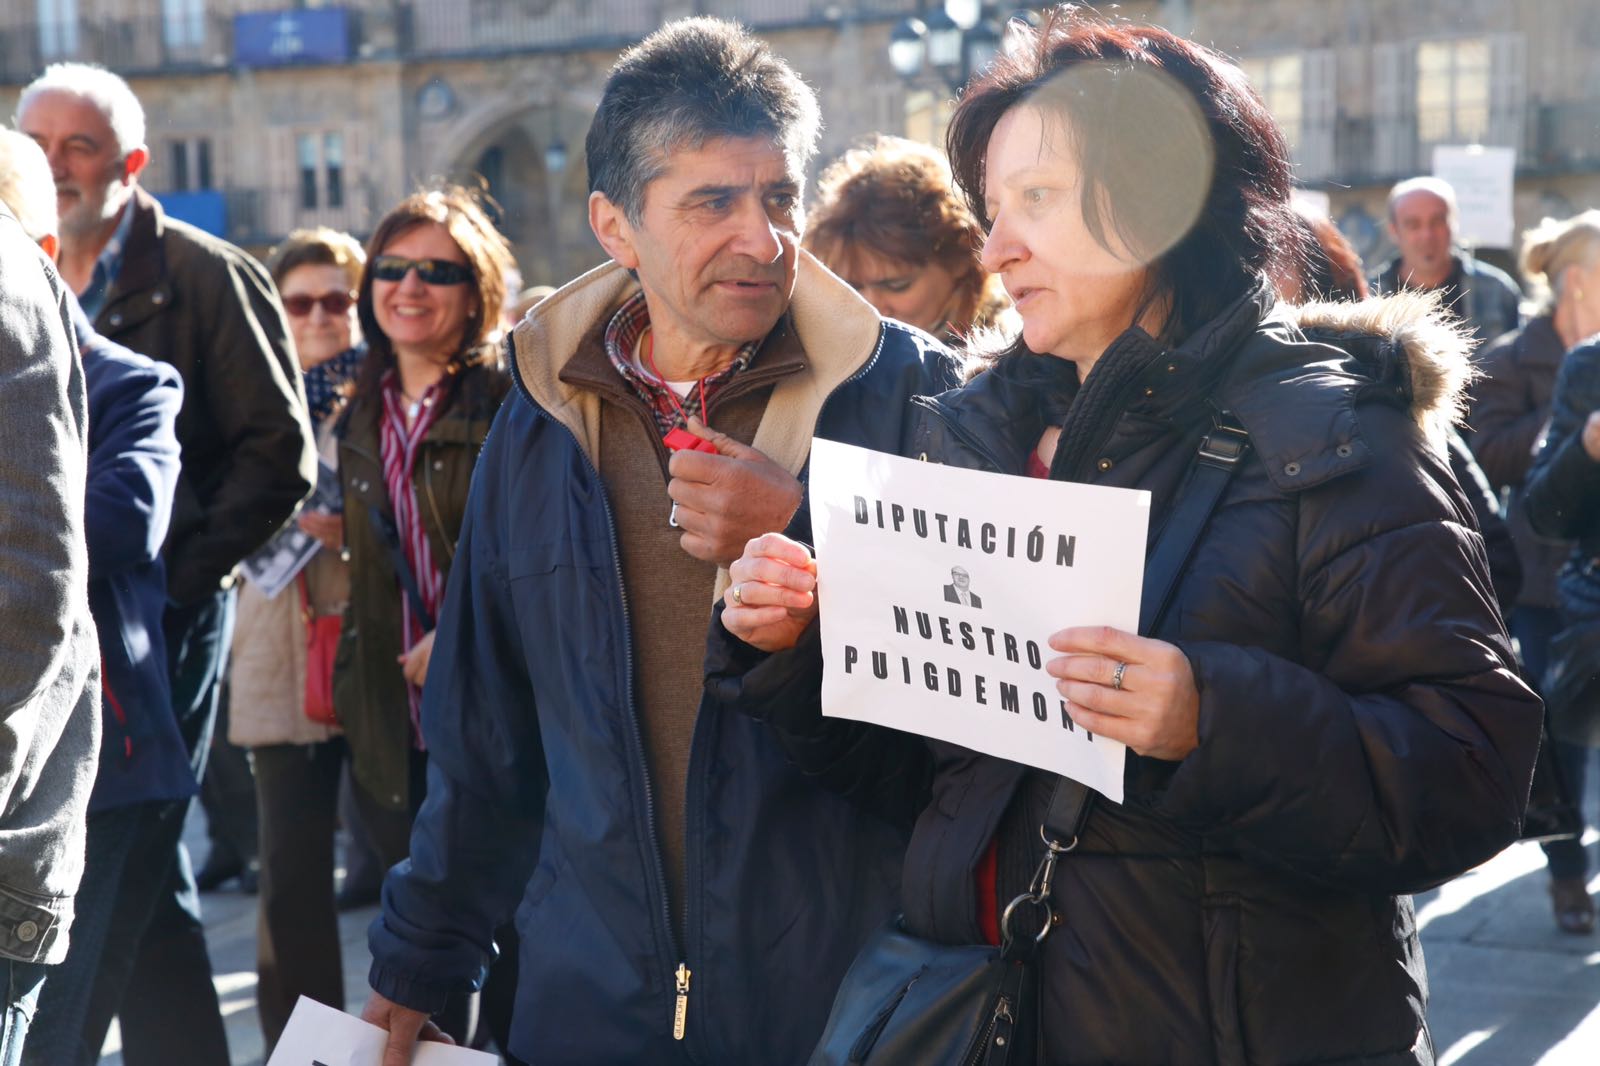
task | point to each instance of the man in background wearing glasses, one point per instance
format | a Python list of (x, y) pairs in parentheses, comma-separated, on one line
[(174, 293)]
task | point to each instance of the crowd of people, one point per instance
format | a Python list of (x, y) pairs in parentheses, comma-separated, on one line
[(552, 655)]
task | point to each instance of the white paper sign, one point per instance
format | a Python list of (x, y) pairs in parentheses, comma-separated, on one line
[(939, 588), (1482, 178), (318, 1035)]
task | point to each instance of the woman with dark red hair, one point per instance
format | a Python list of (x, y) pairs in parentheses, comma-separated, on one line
[(889, 221), (1327, 719)]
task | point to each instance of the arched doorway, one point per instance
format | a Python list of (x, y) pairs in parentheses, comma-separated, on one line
[(535, 173)]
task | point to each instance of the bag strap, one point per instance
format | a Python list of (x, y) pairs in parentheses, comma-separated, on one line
[(1219, 456), (1220, 452), (402, 568)]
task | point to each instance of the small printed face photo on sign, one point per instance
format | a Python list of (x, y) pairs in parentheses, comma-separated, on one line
[(960, 588)]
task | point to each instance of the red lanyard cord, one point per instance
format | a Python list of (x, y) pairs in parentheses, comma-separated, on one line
[(649, 347)]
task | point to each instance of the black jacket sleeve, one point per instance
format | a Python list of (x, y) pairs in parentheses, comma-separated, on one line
[(1396, 751), (251, 385), (1505, 566), (883, 770)]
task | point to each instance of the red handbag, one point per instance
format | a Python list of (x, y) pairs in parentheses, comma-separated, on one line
[(322, 643)]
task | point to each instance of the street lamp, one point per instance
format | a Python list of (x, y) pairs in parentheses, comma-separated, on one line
[(908, 45), (957, 39)]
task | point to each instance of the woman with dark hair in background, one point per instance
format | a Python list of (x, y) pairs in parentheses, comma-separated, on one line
[(1322, 265), (423, 401), (1328, 719), (889, 221)]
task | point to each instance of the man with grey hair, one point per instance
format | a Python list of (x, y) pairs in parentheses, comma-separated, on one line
[(1423, 223), (683, 893), (177, 294)]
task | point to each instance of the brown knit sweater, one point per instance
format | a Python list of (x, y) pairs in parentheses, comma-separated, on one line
[(669, 592)]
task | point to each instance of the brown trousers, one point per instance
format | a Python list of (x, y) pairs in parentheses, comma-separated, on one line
[(297, 925)]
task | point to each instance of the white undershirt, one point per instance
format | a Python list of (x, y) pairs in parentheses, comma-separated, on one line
[(680, 387)]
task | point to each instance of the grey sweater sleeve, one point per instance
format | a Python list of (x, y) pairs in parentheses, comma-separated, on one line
[(42, 474), (49, 672)]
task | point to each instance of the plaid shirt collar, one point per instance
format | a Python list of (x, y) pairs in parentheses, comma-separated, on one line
[(622, 336)]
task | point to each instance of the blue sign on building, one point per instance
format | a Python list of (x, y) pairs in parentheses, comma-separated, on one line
[(205, 208), (283, 38)]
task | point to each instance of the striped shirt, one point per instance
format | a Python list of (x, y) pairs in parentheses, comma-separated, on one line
[(399, 446)]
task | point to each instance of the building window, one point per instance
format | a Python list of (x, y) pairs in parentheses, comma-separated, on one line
[(58, 28), (180, 166), (308, 171), (322, 170), (202, 163), (183, 23), (190, 158), (1301, 91), (333, 166), (1453, 91), (1279, 80)]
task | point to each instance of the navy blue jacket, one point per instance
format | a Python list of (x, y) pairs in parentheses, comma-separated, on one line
[(133, 472), (1563, 487), (538, 799)]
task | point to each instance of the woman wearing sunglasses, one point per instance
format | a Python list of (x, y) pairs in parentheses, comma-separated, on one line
[(297, 759), (422, 403)]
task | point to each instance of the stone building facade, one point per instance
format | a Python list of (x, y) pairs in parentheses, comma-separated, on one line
[(265, 116), (259, 123)]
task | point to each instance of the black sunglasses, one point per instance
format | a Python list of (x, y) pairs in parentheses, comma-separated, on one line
[(432, 271), (335, 303)]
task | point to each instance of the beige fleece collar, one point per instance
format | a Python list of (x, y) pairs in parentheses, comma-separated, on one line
[(837, 329)]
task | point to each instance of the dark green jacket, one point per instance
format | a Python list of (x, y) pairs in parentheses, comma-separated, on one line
[(194, 301), (369, 692)]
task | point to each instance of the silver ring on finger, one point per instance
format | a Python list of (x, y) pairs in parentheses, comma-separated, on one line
[(1116, 675), (737, 592)]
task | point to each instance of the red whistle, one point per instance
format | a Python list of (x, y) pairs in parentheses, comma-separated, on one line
[(680, 439)]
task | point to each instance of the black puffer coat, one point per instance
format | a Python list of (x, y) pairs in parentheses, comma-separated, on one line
[(1363, 733)]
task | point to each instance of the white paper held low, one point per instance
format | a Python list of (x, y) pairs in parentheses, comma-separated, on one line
[(318, 1035)]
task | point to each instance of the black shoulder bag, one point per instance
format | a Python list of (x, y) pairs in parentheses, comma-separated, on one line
[(389, 533), (906, 1001)]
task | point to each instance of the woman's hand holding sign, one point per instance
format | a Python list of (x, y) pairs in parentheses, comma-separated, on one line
[(771, 595), (1128, 688)]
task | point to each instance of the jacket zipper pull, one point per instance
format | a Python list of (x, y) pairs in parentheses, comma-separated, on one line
[(680, 1014)]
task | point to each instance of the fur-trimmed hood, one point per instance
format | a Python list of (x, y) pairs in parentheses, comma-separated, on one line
[(1292, 375), (1409, 338)]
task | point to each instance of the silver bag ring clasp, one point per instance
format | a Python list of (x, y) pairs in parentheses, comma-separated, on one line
[(1011, 909), (1056, 849), (1038, 893)]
